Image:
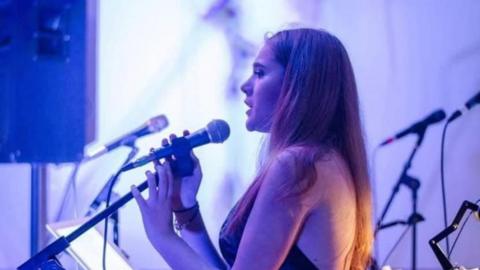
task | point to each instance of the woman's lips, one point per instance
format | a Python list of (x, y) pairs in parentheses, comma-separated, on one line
[(249, 107)]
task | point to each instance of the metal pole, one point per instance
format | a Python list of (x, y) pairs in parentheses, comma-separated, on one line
[(38, 209), (414, 231)]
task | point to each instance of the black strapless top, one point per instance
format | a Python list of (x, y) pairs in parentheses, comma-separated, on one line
[(229, 243)]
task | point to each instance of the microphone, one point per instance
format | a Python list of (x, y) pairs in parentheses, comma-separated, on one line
[(468, 106), (154, 124), (419, 127), (217, 131)]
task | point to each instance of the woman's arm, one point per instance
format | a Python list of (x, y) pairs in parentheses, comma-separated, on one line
[(326, 210), (156, 212), (193, 229), (275, 220), (196, 235), (179, 255), (271, 230)]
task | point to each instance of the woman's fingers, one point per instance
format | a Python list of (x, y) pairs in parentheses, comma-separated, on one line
[(165, 181), (155, 161), (162, 181), (138, 197), (152, 185), (172, 137), (164, 142), (194, 157), (170, 179)]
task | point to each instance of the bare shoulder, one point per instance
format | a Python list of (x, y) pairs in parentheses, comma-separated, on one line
[(334, 179), (328, 163), (332, 175), (303, 175), (283, 178), (287, 165), (280, 171)]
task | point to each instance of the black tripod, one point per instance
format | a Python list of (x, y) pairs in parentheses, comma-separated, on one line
[(413, 184)]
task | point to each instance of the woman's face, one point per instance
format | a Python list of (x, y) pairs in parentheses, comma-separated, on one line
[(262, 90)]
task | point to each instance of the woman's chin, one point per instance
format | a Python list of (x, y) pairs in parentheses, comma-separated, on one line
[(253, 127), (249, 125)]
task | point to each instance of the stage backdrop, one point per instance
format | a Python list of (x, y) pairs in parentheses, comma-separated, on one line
[(186, 60)]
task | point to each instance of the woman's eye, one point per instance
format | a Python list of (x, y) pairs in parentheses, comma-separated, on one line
[(258, 73)]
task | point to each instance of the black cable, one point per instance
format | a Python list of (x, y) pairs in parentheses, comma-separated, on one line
[(442, 180), (396, 244), (449, 252), (105, 232), (131, 155)]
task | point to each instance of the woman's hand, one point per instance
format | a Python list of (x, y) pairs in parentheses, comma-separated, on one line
[(185, 189), (157, 209)]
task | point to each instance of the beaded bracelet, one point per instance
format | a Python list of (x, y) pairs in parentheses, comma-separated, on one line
[(179, 226)]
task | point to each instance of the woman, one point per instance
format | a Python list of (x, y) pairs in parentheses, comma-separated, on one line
[(309, 206)]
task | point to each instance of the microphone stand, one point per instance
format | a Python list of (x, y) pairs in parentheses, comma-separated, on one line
[(413, 184), (46, 257), (102, 195)]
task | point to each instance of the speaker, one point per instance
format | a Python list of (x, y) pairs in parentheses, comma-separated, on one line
[(47, 79)]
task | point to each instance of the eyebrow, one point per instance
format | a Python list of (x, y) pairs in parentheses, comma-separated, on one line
[(256, 64)]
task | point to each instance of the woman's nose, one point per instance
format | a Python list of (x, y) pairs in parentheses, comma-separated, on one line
[(246, 87)]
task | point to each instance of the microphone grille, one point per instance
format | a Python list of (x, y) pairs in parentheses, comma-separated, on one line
[(474, 100), (218, 130), (157, 123)]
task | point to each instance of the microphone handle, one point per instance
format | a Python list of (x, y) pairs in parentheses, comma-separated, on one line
[(124, 140), (183, 164), (158, 154)]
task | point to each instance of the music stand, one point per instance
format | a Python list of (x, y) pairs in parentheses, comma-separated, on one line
[(87, 249)]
